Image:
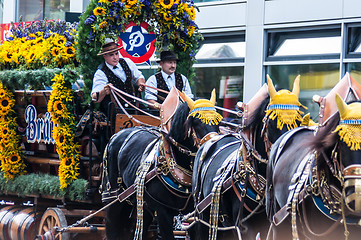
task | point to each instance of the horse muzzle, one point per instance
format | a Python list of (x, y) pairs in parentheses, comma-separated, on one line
[(352, 188)]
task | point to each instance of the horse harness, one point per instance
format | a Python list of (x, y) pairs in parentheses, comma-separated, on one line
[(237, 173), (310, 181)]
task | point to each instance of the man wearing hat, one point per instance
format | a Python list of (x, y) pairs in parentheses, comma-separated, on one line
[(122, 73), (166, 79)]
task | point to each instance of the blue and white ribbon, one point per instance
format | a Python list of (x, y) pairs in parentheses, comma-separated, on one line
[(203, 109), (351, 121), (283, 107)]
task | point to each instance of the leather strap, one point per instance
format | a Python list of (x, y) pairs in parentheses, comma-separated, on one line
[(283, 213), (206, 202), (131, 190)]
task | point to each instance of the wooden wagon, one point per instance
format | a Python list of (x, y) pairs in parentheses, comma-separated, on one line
[(39, 215)]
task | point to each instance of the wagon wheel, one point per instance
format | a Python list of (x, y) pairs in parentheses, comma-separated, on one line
[(53, 217)]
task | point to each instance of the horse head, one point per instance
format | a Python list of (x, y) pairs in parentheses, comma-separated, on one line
[(195, 122), (283, 111), (349, 133)]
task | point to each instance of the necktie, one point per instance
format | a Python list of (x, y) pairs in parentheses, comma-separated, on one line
[(115, 67)]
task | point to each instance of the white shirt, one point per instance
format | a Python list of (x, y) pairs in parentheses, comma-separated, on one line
[(100, 79), (152, 81)]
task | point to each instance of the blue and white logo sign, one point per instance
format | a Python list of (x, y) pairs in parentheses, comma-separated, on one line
[(137, 42), (38, 128)]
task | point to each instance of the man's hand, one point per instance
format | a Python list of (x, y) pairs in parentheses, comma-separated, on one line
[(141, 87), (107, 88), (141, 84)]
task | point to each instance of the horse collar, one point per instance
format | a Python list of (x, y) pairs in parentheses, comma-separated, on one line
[(207, 137)]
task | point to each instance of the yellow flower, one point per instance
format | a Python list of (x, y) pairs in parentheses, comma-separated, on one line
[(167, 17), (2, 93), (14, 158), (70, 51), (99, 11), (103, 24), (166, 3), (132, 2), (61, 41), (5, 103), (55, 51)]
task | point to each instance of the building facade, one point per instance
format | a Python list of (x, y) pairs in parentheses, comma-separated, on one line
[(245, 40)]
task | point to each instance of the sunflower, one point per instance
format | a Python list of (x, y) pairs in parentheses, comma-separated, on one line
[(166, 3), (4, 130), (70, 51), (98, 11), (4, 141), (59, 107), (5, 103), (8, 56), (14, 158), (2, 92), (60, 139), (61, 41), (167, 17), (132, 2), (55, 51)]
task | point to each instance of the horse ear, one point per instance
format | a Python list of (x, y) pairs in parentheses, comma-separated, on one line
[(213, 97), (271, 88), (296, 86), (189, 101), (341, 105)]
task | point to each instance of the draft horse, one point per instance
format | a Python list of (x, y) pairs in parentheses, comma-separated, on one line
[(159, 164), (313, 188), (229, 170)]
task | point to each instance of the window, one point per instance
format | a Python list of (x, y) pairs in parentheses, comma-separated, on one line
[(310, 46), (304, 44), (353, 51), (1, 10), (315, 79), (220, 66), (312, 53), (32, 10)]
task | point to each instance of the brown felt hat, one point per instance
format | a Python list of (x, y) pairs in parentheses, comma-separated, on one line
[(109, 47)]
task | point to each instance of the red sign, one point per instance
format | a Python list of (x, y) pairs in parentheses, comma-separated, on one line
[(5, 30), (137, 42)]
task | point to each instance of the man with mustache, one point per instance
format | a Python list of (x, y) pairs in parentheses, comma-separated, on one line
[(116, 71), (166, 79)]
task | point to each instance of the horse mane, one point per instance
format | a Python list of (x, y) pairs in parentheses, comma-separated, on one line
[(256, 116), (325, 137), (177, 131)]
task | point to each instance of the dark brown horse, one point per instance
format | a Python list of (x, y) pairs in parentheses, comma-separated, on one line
[(134, 154), (229, 170), (313, 185)]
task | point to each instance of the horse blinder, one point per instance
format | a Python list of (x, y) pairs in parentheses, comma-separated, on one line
[(352, 188)]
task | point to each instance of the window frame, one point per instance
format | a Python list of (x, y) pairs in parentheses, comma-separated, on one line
[(276, 37)]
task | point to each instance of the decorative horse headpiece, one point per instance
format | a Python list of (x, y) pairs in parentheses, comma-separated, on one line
[(349, 128), (284, 105), (204, 109)]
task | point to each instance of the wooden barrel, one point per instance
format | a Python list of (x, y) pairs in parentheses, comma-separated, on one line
[(6, 215), (24, 225)]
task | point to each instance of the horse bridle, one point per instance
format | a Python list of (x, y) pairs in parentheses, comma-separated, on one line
[(264, 135)]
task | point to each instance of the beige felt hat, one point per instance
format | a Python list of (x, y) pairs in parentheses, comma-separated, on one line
[(109, 46)]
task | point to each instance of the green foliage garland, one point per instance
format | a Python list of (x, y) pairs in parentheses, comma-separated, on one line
[(43, 184)]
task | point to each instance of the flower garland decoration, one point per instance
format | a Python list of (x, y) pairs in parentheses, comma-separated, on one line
[(39, 44), (60, 106), (172, 21), (11, 155)]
